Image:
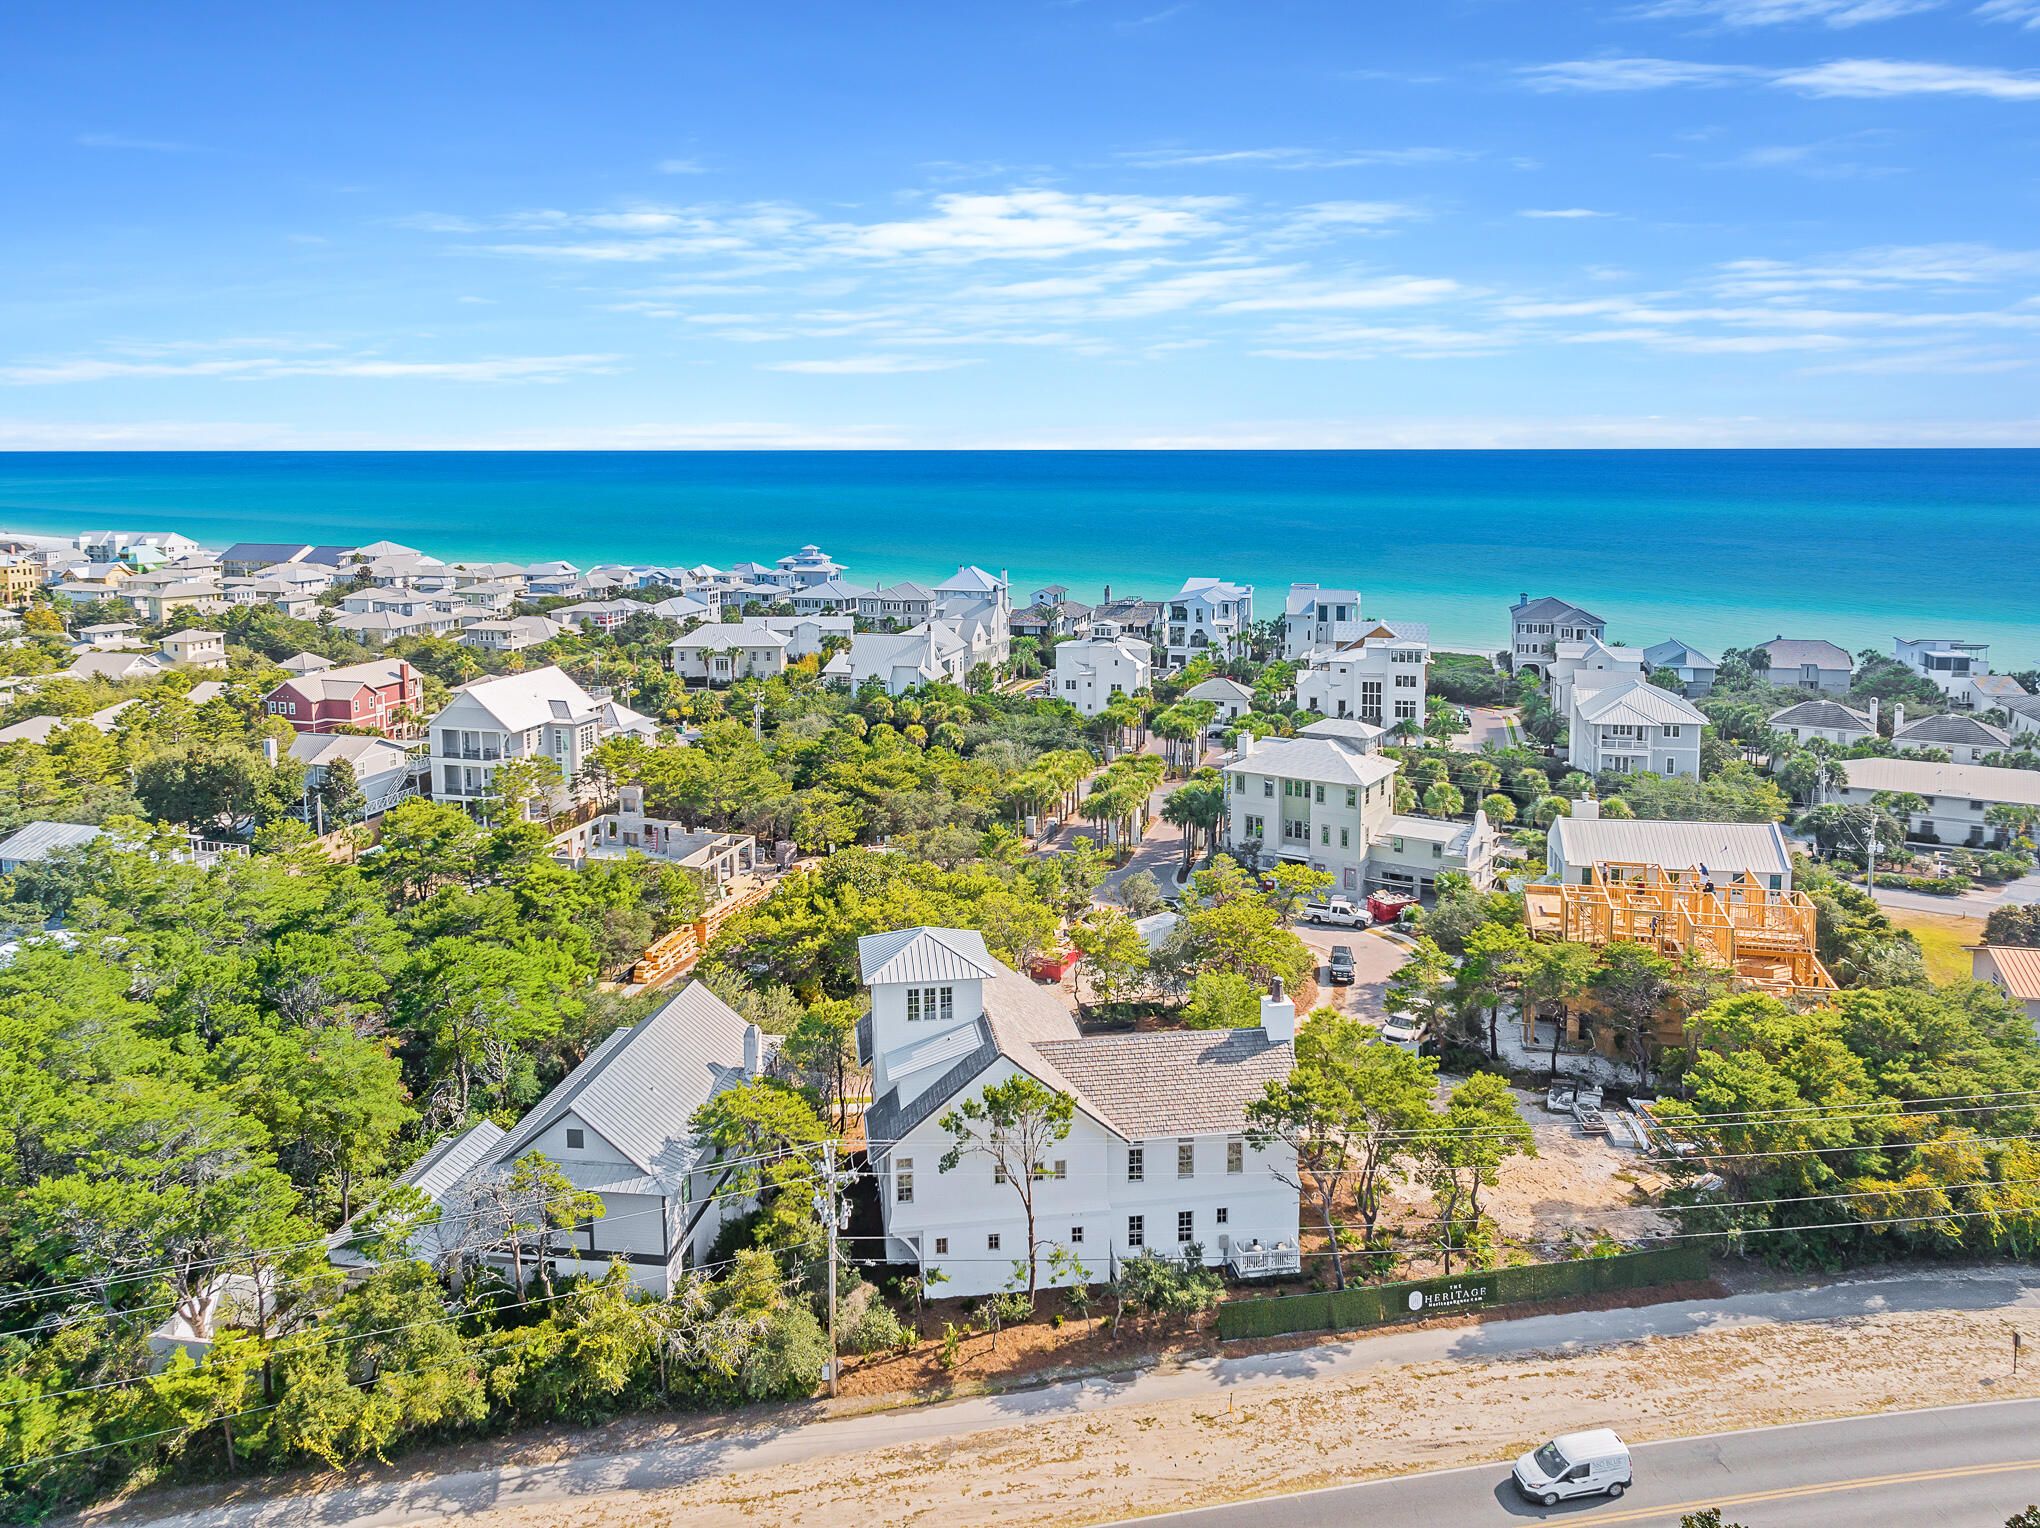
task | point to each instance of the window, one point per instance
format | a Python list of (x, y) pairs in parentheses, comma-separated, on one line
[(1186, 1159), (1406, 710), (1069, 684), (903, 1181), (1675, 731), (1186, 1225), (948, 1004), (913, 1004), (1076, 1236), (941, 1246), (992, 1242), (1437, 851), (1062, 1168), (1235, 1156), (1257, 827), (1325, 833), (1320, 795), (1267, 787), (998, 1172), (575, 1140), (1405, 681), (586, 1230), (1352, 796), (1136, 1231), (1223, 1215), (1239, 785), (1344, 836), (1136, 1164)]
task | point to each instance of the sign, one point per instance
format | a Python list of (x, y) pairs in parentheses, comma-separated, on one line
[(1456, 1296)]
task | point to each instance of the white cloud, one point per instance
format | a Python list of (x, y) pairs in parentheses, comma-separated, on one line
[(2025, 13), (1035, 223), (867, 365), (1290, 158), (1765, 13), (1890, 77), (1631, 74), (1562, 212), (1390, 292), (254, 368), (682, 167)]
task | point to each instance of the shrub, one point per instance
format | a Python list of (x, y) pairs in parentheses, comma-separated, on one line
[(789, 1359), (877, 1329)]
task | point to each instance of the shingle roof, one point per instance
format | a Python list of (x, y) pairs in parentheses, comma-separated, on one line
[(341, 683), (1997, 686), (264, 552), (1793, 652), (1978, 782), (1342, 726), (925, 955), (1962, 731), (1756, 847), (1821, 713), (717, 636), (1220, 688), (1549, 608), (2019, 965), (1172, 1082)]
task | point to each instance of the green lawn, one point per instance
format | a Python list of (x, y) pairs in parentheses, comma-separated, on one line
[(1942, 938)]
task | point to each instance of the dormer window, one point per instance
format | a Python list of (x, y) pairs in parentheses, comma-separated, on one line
[(930, 1003)]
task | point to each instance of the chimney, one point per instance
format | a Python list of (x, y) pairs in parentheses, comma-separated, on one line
[(1873, 713), (1586, 809), (1245, 745), (269, 751), (1108, 596), (1897, 718), (1278, 1014), (753, 1044)]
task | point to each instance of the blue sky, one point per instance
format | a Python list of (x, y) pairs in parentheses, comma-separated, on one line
[(1039, 223)]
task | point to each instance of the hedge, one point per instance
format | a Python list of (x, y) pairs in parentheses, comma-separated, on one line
[(1371, 1304)]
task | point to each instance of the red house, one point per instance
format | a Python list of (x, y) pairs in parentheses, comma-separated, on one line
[(362, 694)]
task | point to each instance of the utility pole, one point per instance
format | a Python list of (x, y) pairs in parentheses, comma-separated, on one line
[(836, 1215)]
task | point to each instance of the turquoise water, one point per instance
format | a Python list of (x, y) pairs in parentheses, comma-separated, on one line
[(1714, 547)]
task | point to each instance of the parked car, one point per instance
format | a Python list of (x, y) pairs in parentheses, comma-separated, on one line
[(1401, 1029), (1579, 1464), (1337, 912), (1341, 965)]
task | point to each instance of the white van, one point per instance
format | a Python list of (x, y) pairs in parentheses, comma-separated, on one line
[(1579, 1464)]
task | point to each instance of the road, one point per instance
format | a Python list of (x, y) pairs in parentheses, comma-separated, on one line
[(1971, 904), (1972, 1465), (700, 1448), (1374, 959), (1490, 725)]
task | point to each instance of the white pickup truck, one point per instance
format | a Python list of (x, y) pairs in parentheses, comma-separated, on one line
[(1337, 912)]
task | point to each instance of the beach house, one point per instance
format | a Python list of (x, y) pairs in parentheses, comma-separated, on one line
[(1631, 726), (1377, 676), (1206, 615), (1089, 672), (1809, 663), (1536, 627), (1958, 797)]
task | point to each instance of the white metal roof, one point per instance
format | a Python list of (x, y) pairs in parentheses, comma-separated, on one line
[(1978, 782), (1637, 701), (1758, 848), (925, 954)]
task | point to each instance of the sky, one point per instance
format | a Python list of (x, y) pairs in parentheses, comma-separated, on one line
[(1043, 223)]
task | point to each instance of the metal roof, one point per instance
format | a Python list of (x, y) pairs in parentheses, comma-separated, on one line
[(2019, 966), (1979, 782), (925, 955), (1320, 758), (1639, 700), (38, 839), (1757, 848)]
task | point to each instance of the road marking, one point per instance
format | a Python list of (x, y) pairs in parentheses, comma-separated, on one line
[(1788, 1493)]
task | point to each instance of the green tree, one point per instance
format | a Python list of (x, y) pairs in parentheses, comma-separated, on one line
[(1013, 1125), (1463, 1153), (1222, 1000), (763, 1137), (340, 794), (821, 1051), (1292, 885), (1114, 956)]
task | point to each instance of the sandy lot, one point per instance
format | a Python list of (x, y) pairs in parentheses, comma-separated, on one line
[(1294, 1435)]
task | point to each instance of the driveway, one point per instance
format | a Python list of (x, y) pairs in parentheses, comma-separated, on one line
[(1374, 960), (1495, 725)]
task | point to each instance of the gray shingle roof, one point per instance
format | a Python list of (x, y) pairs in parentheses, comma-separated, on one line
[(1551, 609), (1821, 713), (1172, 1082), (1961, 731), (888, 1122), (1793, 652)]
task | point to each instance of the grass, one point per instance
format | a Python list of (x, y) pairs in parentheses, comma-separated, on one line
[(1942, 938)]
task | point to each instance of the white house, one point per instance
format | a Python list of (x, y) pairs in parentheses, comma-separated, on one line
[(1695, 669), (542, 714), (2025, 715), (1317, 619), (1963, 738), (723, 652), (1632, 725), (1577, 667), (837, 598), (1828, 721), (1232, 698), (1811, 664), (1945, 661), (1536, 627), (1156, 1158), (719, 857), (382, 770), (980, 608), (932, 652), (510, 636), (1990, 691), (1206, 615), (1090, 671), (809, 566), (619, 1126), (1957, 796), (1319, 798), (1728, 853), (1378, 676), (806, 633)]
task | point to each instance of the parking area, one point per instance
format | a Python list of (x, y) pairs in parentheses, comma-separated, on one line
[(1374, 958)]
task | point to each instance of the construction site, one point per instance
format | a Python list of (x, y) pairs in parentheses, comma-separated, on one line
[(1763, 939)]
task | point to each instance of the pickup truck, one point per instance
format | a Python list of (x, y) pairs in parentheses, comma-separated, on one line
[(1337, 912)]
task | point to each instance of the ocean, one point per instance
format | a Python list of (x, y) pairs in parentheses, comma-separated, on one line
[(1716, 548)]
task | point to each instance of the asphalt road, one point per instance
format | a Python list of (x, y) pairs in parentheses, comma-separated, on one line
[(1968, 1465)]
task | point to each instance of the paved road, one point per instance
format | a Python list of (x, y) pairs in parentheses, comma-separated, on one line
[(1490, 725), (1971, 904), (1374, 959), (696, 1450), (1969, 1465)]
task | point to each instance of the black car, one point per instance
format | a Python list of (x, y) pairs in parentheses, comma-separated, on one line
[(1342, 965)]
